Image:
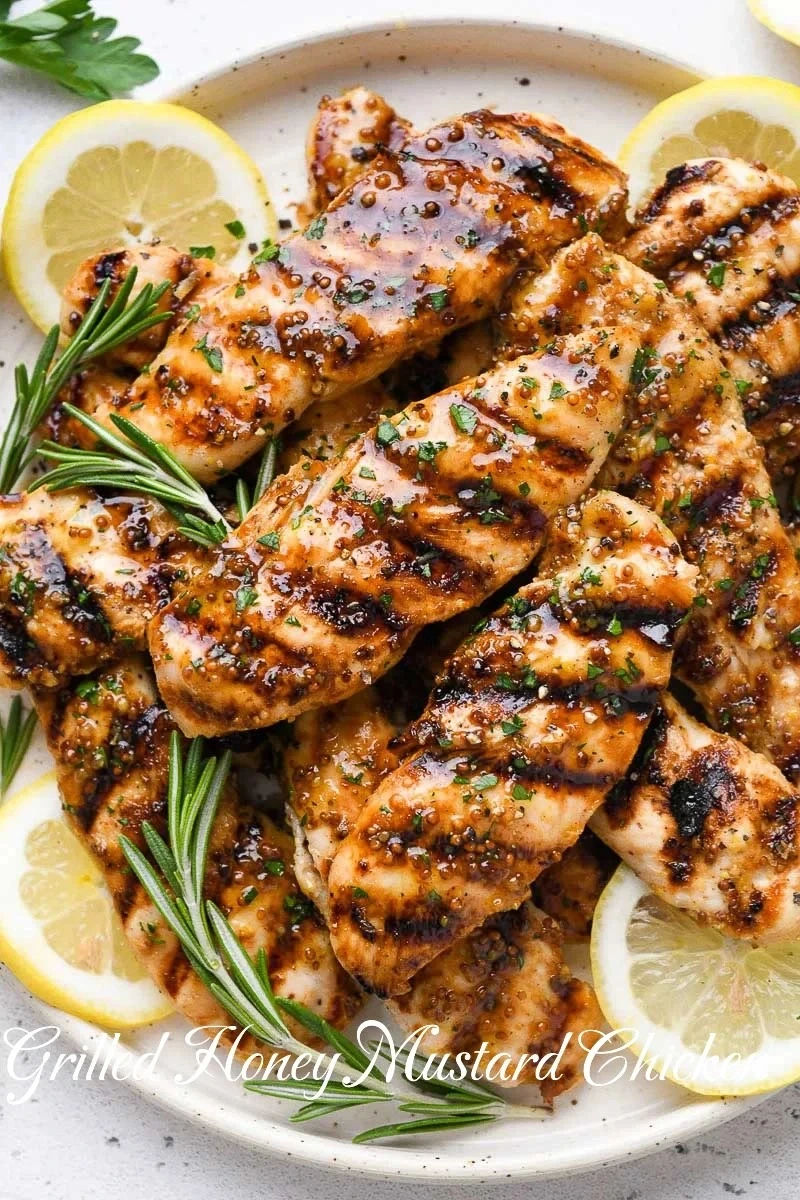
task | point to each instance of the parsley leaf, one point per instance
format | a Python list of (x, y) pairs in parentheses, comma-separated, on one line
[(212, 354), (68, 42), (464, 418)]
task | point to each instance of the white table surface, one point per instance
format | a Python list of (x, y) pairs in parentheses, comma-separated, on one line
[(78, 1141)]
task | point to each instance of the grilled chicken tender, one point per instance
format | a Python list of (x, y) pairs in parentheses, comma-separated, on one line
[(710, 827), (80, 576), (687, 454), (347, 134), (506, 987), (569, 890), (335, 758), (725, 235), (109, 735), (420, 519), (532, 722), (155, 264), (419, 245)]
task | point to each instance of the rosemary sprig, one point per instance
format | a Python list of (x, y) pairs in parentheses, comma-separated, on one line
[(15, 737), (242, 985), (104, 327), (137, 463)]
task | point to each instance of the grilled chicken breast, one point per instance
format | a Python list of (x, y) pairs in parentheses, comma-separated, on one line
[(347, 133), (687, 454), (725, 235), (420, 519), (710, 827), (422, 243), (505, 984), (529, 726), (506, 987), (109, 735), (80, 576)]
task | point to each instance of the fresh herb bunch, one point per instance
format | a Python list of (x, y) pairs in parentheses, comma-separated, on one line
[(68, 42), (15, 737), (138, 464), (104, 327), (242, 985)]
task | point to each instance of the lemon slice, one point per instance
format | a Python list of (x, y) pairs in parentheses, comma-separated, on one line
[(123, 172), (780, 16), (672, 985), (59, 932), (734, 117)]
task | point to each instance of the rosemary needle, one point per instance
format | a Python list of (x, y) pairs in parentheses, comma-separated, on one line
[(15, 737)]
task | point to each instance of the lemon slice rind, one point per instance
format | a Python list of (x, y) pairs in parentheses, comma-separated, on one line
[(765, 12), (102, 998), (776, 1062), (770, 103), (180, 138)]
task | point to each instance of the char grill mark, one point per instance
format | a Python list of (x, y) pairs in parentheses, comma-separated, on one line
[(687, 454), (678, 179), (420, 244), (426, 515), (740, 271), (109, 734), (530, 724), (710, 827)]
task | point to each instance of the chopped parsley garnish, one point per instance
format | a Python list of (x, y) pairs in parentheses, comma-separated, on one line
[(513, 726), (484, 782), (592, 670), (427, 451), (716, 276), (203, 251), (464, 418), (438, 300), (271, 540), (316, 229), (236, 229), (641, 374), (245, 596), (212, 354), (268, 253), (387, 432), (614, 626), (557, 390)]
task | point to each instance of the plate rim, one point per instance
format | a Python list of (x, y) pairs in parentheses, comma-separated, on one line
[(295, 1143)]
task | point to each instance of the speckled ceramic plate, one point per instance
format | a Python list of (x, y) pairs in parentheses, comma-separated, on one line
[(600, 90)]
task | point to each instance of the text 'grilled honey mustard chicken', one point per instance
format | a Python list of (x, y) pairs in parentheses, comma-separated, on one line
[(432, 511), (420, 244), (531, 723), (725, 236), (687, 454), (109, 735)]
